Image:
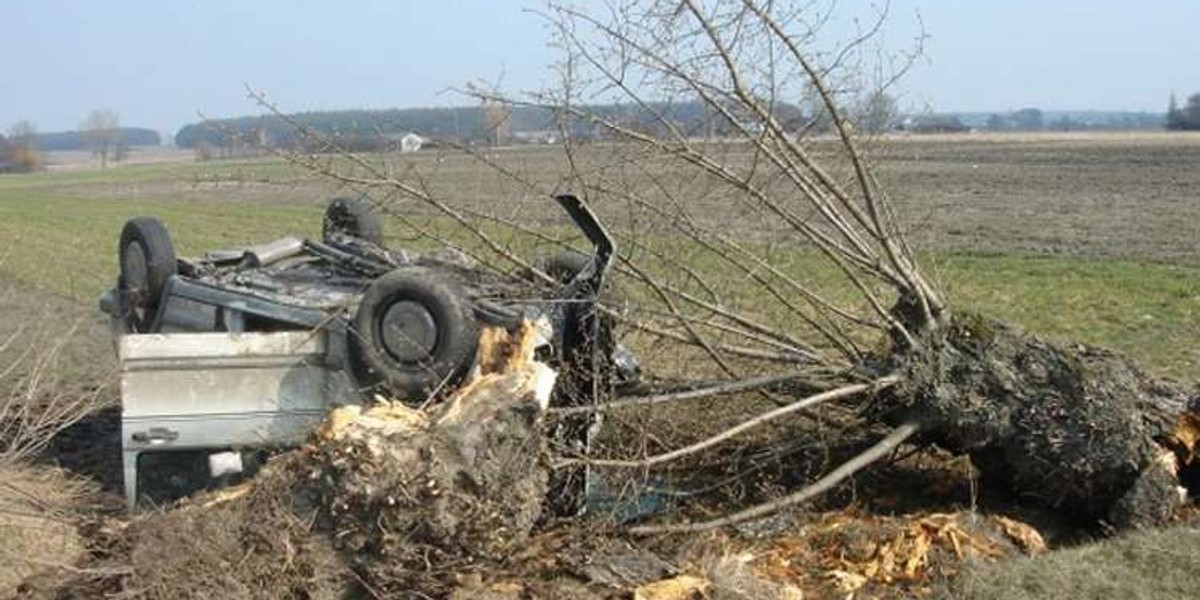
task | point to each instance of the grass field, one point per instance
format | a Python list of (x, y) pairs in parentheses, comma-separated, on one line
[(1087, 238), (1143, 566)]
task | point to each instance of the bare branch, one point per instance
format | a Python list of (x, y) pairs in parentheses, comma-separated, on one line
[(740, 428), (818, 487)]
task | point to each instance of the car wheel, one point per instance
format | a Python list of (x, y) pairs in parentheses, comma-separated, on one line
[(415, 330), (563, 266), (348, 216), (147, 260)]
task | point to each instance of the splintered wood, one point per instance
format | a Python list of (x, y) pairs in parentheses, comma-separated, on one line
[(683, 587), (846, 553), (414, 494), (505, 368)]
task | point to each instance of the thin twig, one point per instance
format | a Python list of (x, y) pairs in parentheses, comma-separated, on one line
[(736, 430), (818, 487)]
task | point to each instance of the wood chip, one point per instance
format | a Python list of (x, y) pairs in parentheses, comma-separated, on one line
[(683, 587), (1025, 537)]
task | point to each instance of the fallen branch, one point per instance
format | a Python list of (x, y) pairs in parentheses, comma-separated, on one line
[(733, 387), (818, 487), (738, 429)]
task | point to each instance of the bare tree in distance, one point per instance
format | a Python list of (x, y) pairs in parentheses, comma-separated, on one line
[(878, 112), (770, 261), (497, 119), (102, 130), (23, 132), (22, 136)]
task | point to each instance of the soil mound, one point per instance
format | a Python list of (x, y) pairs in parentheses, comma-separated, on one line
[(1080, 429)]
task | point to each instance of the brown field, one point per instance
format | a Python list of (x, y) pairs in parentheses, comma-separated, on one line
[(1129, 196), (1097, 195)]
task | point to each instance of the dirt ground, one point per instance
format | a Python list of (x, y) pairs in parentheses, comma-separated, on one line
[(1095, 195)]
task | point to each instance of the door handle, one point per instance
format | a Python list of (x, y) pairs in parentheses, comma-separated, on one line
[(155, 436)]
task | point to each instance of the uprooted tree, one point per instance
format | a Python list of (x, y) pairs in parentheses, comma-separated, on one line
[(1072, 427), (1076, 428)]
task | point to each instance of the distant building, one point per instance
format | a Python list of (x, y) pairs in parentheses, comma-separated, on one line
[(933, 124), (411, 142), (543, 136)]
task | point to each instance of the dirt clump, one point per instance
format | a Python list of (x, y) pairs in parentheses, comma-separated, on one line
[(1079, 429), (256, 542)]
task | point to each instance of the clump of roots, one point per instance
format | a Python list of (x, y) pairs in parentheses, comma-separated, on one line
[(1076, 428)]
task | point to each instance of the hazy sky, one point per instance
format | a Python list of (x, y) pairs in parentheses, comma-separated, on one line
[(160, 62)]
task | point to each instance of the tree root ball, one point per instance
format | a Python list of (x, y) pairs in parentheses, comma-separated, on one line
[(1080, 429)]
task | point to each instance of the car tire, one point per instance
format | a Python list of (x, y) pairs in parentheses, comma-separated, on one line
[(563, 266), (147, 260), (416, 332), (352, 217)]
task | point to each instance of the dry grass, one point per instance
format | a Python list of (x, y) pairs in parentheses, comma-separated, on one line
[(1149, 565), (40, 506), (36, 406), (38, 516)]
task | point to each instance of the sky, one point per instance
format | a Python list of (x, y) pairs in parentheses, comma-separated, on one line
[(163, 63)]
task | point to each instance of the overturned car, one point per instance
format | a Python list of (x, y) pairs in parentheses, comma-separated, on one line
[(250, 347)]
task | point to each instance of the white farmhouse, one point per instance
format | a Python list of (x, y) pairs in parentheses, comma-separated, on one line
[(411, 142)]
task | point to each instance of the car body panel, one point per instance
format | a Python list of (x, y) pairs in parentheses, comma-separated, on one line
[(222, 390)]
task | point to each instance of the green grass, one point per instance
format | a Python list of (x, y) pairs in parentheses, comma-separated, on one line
[(244, 170), (55, 238), (1151, 312), (68, 245), (1150, 565)]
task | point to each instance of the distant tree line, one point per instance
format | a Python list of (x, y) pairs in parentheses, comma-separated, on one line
[(101, 133), (79, 140), (376, 130), (1035, 119), (1186, 118)]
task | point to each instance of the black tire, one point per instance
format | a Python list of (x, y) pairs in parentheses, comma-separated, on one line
[(348, 216), (147, 260), (563, 266), (415, 331)]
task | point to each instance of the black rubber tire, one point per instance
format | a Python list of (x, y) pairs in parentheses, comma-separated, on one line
[(563, 266), (147, 260), (452, 351), (352, 217)]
